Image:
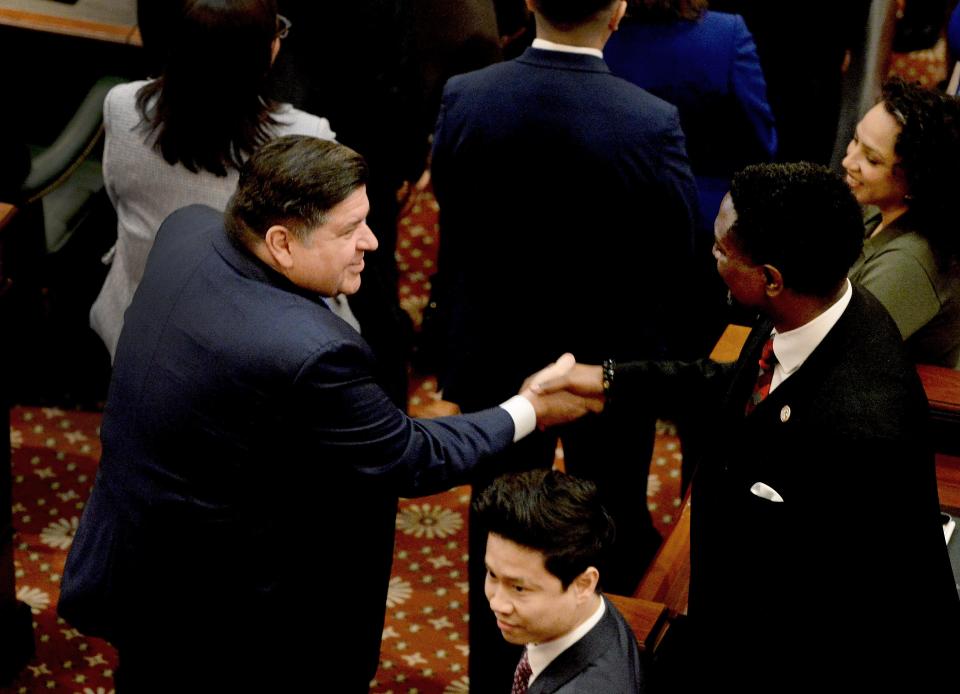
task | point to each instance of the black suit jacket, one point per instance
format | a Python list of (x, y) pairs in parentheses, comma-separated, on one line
[(250, 471), (566, 206), (605, 660), (848, 578)]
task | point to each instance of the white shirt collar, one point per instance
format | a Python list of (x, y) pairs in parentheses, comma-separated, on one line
[(545, 45), (541, 655), (793, 347)]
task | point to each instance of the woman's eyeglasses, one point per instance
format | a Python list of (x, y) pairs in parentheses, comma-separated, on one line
[(283, 26)]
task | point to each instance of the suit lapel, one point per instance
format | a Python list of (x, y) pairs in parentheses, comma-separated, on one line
[(572, 661), (745, 373)]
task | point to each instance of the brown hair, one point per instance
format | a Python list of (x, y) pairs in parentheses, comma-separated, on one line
[(293, 180)]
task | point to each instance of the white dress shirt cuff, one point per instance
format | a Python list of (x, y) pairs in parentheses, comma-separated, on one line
[(523, 415)]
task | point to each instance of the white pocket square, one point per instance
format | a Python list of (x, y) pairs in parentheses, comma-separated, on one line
[(767, 492)]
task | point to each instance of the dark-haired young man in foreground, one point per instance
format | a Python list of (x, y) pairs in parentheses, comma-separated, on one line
[(548, 537)]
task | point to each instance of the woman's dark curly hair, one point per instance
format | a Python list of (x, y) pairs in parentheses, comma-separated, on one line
[(666, 10), (928, 148)]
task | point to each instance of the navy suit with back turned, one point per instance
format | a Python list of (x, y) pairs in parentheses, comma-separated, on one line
[(247, 492)]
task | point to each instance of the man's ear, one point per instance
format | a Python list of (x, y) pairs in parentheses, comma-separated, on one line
[(530, 6), (277, 241), (274, 49), (773, 280), (585, 585), (618, 13)]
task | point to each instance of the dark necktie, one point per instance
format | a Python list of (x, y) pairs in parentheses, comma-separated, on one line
[(522, 675), (768, 361)]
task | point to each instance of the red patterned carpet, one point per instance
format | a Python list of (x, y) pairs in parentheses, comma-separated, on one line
[(425, 647)]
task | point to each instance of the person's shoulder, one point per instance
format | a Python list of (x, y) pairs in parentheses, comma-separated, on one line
[(121, 100), (125, 94), (903, 251), (871, 351), (487, 75), (636, 103), (912, 242), (189, 223), (292, 121), (722, 21)]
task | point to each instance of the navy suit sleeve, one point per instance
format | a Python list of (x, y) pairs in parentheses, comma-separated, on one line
[(350, 420), (750, 88)]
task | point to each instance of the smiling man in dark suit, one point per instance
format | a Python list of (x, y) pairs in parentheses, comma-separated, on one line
[(817, 553), (548, 539), (543, 162), (251, 463)]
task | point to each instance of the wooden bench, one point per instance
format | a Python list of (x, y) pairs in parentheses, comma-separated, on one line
[(943, 391)]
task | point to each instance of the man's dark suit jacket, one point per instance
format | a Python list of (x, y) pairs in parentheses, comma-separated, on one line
[(565, 196), (605, 660), (848, 578), (250, 473)]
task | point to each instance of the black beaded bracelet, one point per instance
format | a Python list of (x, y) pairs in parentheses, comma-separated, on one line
[(607, 378)]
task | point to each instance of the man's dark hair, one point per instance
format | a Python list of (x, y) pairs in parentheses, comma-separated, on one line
[(295, 181), (209, 109), (928, 148), (552, 513), (666, 10), (569, 14), (800, 218)]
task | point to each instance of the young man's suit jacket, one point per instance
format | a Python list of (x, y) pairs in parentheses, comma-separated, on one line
[(250, 473), (605, 660), (848, 577)]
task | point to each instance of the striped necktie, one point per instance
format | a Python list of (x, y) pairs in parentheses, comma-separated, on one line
[(768, 361)]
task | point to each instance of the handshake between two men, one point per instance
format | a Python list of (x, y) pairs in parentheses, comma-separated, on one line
[(565, 391), (561, 392)]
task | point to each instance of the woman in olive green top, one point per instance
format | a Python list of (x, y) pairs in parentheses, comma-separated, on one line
[(903, 165)]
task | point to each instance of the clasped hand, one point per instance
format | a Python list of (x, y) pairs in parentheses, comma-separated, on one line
[(564, 391)]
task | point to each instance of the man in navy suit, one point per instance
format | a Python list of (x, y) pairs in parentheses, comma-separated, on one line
[(251, 464), (548, 540), (547, 167), (816, 547)]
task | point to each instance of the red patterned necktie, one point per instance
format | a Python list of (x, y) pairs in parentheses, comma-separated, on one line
[(768, 361), (522, 675)]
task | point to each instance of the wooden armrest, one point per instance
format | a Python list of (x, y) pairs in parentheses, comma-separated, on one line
[(647, 619), (7, 211), (730, 343), (948, 482), (943, 388), (667, 580)]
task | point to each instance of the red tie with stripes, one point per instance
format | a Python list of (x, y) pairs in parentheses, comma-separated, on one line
[(768, 361)]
